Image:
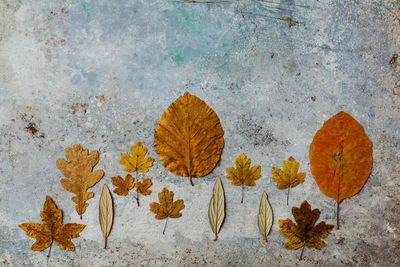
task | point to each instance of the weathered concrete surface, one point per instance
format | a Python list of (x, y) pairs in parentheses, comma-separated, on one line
[(102, 72)]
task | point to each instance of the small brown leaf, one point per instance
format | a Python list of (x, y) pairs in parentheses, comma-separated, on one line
[(143, 188), (78, 171), (167, 208), (189, 137), (52, 229), (123, 186), (243, 174), (304, 233)]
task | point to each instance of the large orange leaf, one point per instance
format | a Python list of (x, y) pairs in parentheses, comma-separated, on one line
[(189, 137), (340, 158)]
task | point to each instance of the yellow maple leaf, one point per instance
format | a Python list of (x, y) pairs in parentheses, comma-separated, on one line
[(288, 177), (243, 174), (123, 186), (52, 229), (136, 162), (167, 208)]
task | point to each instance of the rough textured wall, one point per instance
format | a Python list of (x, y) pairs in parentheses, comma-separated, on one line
[(102, 72)]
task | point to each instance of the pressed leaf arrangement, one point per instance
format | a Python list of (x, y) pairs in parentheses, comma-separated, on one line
[(78, 170), (167, 208), (216, 209), (340, 158), (137, 162), (304, 233), (288, 177), (243, 174), (52, 229), (106, 213), (189, 137), (264, 217)]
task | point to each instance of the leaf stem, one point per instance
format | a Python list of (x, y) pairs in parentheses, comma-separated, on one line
[(105, 242), (216, 237), (242, 193), (48, 255), (301, 254), (190, 179), (287, 199), (165, 226), (337, 215), (137, 193)]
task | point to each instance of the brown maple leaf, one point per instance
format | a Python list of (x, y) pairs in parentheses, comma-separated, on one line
[(123, 186), (52, 229), (304, 233), (288, 177), (243, 174), (143, 187), (168, 208), (78, 171)]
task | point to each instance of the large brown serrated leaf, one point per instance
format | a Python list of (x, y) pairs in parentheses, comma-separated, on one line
[(340, 158), (106, 213), (78, 171), (216, 209), (304, 233), (52, 229), (189, 137)]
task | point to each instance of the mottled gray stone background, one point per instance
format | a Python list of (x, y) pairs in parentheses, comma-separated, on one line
[(101, 73)]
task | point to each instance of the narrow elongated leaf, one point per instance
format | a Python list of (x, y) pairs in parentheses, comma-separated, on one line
[(340, 158), (216, 210), (105, 213), (189, 137), (264, 218)]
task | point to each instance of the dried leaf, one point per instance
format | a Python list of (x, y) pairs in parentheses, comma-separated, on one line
[(304, 232), (105, 213), (167, 207), (264, 217), (243, 174), (52, 229), (340, 158), (189, 137), (123, 186), (136, 162), (143, 188), (216, 210), (288, 177), (78, 171)]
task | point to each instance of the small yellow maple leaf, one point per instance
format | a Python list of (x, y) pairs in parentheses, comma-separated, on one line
[(143, 187), (243, 174), (167, 208), (304, 233), (123, 186), (136, 162), (288, 177), (52, 229)]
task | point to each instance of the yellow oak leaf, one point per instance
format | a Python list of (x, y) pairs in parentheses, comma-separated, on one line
[(78, 171), (123, 186), (143, 187), (167, 208), (243, 174), (304, 233), (288, 177), (52, 229), (136, 162)]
